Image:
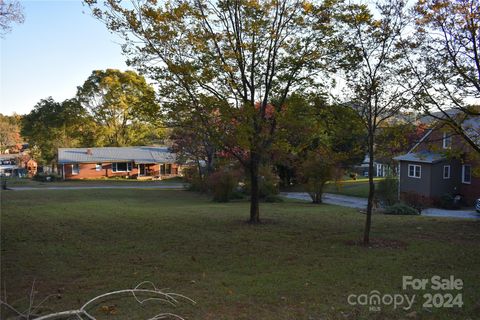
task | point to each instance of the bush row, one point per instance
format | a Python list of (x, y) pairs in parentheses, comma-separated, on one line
[(228, 183)]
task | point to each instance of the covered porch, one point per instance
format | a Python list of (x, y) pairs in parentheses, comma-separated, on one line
[(156, 171)]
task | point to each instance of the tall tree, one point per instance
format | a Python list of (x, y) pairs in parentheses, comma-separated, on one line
[(446, 64), (122, 104), (375, 81), (195, 135), (9, 132), (328, 139), (10, 12), (242, 52), (52, 125)]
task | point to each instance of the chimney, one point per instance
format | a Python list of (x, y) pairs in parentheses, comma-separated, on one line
[(89, 151)]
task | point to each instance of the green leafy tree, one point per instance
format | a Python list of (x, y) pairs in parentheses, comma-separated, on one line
[(309, 128), (123, 106), (317, 169), (52, 125), (376, 80), (244, 53)]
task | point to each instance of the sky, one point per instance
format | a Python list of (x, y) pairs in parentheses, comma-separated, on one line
[(52, 52)]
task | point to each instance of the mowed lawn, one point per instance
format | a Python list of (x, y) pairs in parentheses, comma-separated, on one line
[(354, 188), (301, 263)]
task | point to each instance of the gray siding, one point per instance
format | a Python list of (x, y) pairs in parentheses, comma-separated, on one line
[(418, 185), (442, 186), (431, 182)]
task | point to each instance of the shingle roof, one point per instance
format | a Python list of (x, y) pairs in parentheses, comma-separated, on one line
[(423, 157), (116, 154)]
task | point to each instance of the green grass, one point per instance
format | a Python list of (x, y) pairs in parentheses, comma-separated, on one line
[(298, 264), (24, 182), (354, 188), (358, 188)]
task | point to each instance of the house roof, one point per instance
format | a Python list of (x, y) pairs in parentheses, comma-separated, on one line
[(115, 154), (472, 129), (423, 157)]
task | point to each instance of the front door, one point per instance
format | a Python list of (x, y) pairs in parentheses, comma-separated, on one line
[(142, 171)]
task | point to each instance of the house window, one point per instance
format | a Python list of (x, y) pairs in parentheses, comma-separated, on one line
[(168, 168), (467, 173), (121, 166), (75, 169), (162, 169), (447, 140), (414, 171), (98, 167), (446, 172)]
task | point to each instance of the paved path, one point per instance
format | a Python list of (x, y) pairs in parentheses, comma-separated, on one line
[(330, 198), (177, 186), (361, 203)]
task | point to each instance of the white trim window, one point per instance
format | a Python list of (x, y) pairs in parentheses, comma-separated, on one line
[(414, 171), (467, 174), (121, 167), (75, 169), (446, 172), (447, 140)]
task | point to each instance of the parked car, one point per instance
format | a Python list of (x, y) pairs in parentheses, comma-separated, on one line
[(477, 205)]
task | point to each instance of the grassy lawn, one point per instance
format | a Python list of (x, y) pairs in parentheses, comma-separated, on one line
[(17, 182), (354, 188), (299, 264)]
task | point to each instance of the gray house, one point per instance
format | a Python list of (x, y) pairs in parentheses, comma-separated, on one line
[(441, 163), (429, 174)]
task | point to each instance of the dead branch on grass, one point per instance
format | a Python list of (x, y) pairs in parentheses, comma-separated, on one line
[(151, 292)]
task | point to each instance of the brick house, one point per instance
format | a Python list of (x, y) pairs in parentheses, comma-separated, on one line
[(129, 162), (441, 163)]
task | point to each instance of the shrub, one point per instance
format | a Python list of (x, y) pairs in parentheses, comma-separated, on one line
[(416, 200), (387, 191), (448, 201), (194, 180), (401, 209), (268, 184), (222, 184)]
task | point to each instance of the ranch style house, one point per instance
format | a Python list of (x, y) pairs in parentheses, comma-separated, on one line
[(143, 162)]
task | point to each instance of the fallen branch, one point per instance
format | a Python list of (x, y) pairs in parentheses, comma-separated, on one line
[(153, 293)]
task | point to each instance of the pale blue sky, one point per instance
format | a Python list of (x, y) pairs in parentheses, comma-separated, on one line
[(53, 52)]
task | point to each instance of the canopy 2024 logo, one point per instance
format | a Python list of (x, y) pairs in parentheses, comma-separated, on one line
[(446, 294)]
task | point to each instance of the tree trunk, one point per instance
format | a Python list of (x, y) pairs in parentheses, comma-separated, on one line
[(316, 195), (254, 190), (317, 199), (371, 191)]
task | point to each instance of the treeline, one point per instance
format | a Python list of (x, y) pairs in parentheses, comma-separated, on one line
[(112, 108)]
